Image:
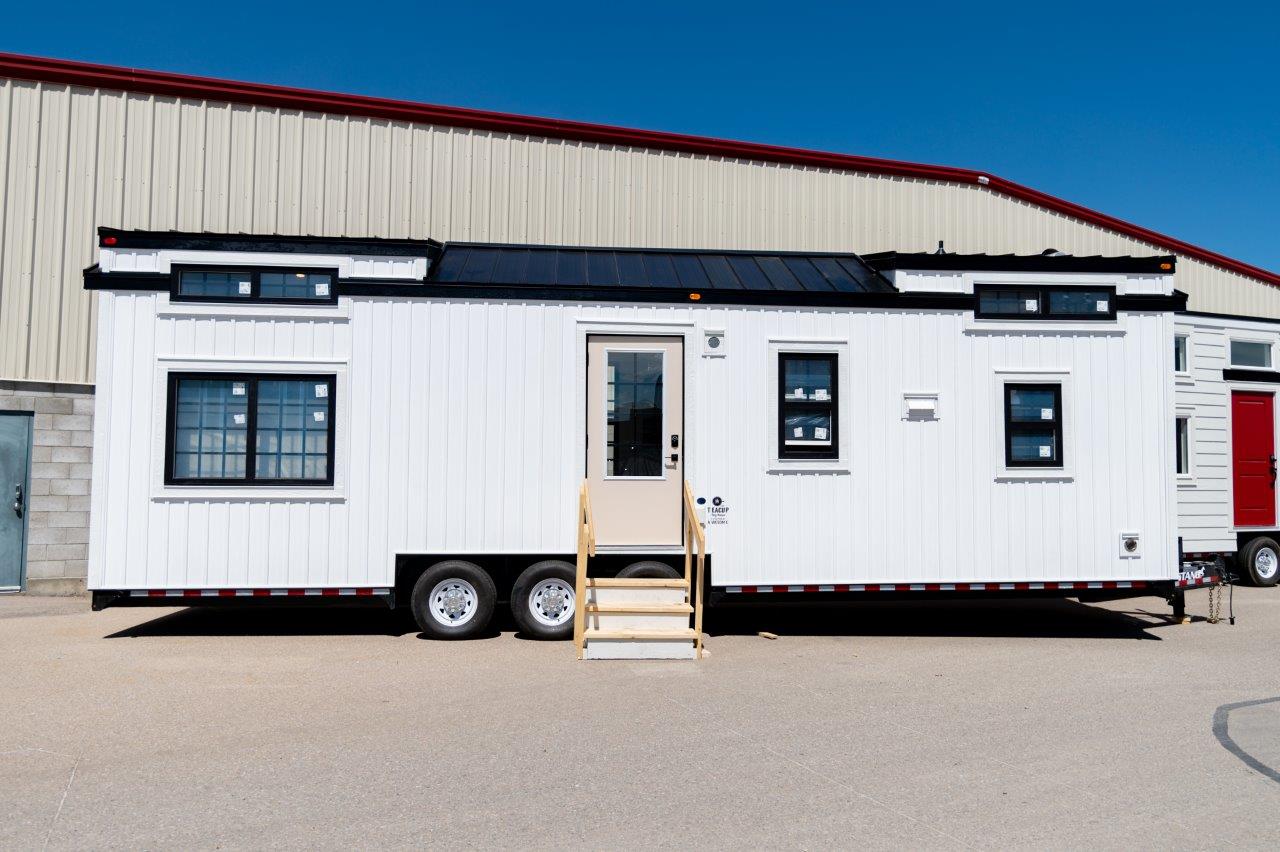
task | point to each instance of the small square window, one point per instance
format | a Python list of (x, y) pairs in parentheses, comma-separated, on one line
[(215, 285), (807, 406), (1180, 353), (1251, 353), (1008, 302), (1033, 425)]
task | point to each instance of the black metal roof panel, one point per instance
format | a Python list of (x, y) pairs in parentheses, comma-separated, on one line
[(931, 261), (487, 265)]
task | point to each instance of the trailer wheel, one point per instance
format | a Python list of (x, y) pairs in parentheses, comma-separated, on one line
[(453, 600), (1260, 559), (650, 570), (542, 600)]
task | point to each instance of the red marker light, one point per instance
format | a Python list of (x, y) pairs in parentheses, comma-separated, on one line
[(108, 241)]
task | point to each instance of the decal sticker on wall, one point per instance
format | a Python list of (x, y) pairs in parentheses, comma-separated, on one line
[(718, 514)]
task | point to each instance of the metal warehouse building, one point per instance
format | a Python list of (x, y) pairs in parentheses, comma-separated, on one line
[(83, 146)]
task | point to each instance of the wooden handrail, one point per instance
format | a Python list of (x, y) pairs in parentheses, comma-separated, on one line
[(693, 532), (586, 547)]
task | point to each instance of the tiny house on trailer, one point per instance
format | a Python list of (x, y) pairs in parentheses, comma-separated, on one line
[(1226, 377), (290, 419)]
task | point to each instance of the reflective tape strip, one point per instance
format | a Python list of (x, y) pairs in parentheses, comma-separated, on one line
[(364, 591)]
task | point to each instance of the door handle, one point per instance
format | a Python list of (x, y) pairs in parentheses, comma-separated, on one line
[(675, 458), (18, 502)]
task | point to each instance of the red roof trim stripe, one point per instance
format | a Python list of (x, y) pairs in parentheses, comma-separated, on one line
[(208, 88)]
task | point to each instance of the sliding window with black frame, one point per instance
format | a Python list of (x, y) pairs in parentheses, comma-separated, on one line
[(249, 429), (269, 285), (1045, 303), (1033, 425), (808, 408)]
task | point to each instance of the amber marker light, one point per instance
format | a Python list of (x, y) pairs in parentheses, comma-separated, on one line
[(693, 297), (1166, 266)]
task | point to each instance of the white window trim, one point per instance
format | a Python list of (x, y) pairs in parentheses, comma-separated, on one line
[(844, 395), (337, 492), (1188, 479), (1245, 338), (1183, 377), (1066, 441)]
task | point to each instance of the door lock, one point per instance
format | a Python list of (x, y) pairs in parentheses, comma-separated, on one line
[(675, 442), (18, 502), (675, 457)]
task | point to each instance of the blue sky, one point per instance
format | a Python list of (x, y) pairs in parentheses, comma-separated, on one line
[(1164, 117)]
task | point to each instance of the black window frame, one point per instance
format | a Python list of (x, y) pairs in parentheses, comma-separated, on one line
[(250, 479), (1012, 427), (816, 453), (255, 273), (1042, 312), (1181, 439)]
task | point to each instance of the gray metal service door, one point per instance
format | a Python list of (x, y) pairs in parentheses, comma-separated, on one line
[(15, 456), (635, 438)]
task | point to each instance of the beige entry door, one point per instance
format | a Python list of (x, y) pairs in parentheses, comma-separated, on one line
[(635, 438)]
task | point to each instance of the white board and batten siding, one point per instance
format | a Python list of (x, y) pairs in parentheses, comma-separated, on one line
[(1205, 502), (460, 427)]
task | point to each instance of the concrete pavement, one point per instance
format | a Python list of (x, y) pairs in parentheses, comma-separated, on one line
[(878, 725)]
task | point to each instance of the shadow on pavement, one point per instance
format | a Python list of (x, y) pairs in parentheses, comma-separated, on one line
[(1030, 619)]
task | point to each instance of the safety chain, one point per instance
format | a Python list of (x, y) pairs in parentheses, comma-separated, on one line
[(1215, 603)]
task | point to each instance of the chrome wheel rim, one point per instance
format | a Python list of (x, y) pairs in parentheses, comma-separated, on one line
[(551, 602), (1266, 563), (453, 602)]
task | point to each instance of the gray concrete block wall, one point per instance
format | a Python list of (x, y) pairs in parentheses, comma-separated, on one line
[(61, 465)]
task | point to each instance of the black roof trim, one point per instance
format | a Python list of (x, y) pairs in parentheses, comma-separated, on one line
[(282, 243), (885, 260), (96, 279)]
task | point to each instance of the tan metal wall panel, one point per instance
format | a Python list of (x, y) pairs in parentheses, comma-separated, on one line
[(73, 158)]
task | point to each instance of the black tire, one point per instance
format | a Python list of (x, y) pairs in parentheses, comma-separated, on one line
[(1256, 557), (427, 612), (650, 570), (559, 578)]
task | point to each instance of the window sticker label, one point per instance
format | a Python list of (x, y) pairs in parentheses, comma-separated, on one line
[(237, 388), (318, 415), (1046, 414), (322, 391), (1032, 304), (1102, 306), (238, 419), (322, 289), (820, 393), (798, 432), (819, 433), (246, 288), (1046, 452), (799, 394)]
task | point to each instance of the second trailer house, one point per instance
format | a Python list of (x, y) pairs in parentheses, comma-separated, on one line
[(310, 418)]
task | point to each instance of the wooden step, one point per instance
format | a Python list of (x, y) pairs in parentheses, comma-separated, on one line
[(634, 583), (675, 608), (641, 635)]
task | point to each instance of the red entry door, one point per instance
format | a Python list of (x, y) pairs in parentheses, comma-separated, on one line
[(1253, 447)]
